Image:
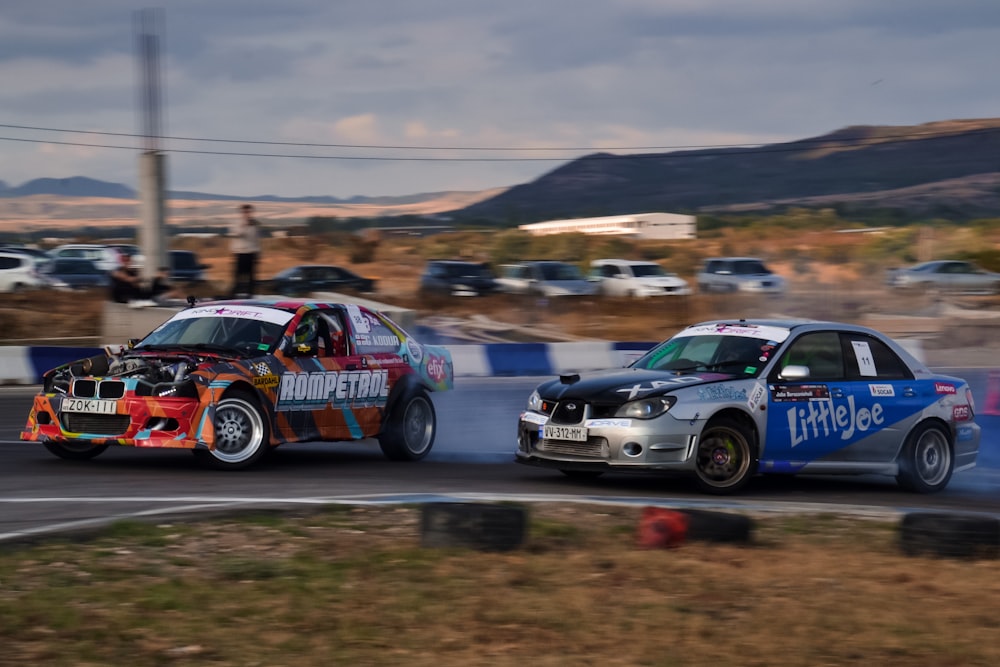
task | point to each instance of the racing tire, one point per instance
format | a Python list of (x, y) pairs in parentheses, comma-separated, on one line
[(726, 457), (241, 434), (75, 451), (711, 526), (480, 526), (409, 431), (950, 535), (926, 461), (581, 475)]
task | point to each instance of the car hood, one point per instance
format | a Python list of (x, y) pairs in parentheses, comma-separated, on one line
[(620, 386)]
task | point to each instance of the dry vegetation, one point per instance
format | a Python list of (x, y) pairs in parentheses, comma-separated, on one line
[(833, 276), (354, 586)]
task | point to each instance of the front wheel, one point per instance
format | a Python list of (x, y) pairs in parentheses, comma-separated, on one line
[(926, 462), (726, 458), (408, 434), (75, 451), (241, 434)]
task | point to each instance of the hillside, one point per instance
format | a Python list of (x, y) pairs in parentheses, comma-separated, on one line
[(943, 169)]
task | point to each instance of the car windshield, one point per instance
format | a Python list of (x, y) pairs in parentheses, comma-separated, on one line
[(558, 271), (467, 270), (737, 350), (220, 328), (648, 270), (749, 268)]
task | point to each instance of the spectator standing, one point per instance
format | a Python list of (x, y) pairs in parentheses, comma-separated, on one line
[(245, 246)]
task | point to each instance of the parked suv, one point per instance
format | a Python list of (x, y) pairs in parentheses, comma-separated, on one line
[(185, 267), (457, 278), (639, 279), (739, 274), (545, 278), (17, 271), (106, 258)]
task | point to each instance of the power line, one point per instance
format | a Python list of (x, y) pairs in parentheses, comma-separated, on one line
[(723, 150), (846, 140)]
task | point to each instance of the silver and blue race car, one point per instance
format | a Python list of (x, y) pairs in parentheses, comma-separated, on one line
[(726, 400)]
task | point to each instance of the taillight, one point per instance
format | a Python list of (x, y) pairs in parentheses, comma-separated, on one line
[(970, 401)]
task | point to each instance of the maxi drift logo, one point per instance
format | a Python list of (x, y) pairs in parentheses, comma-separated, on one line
[(311, 391), (821, 419)]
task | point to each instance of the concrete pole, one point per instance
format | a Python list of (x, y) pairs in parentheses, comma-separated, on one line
[(152, 231)]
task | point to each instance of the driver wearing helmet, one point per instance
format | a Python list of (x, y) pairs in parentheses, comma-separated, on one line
[(307, 332)]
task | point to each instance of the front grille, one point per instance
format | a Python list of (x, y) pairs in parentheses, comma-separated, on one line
[(568, 412), (95, 389), (79, 422), (594, 447), (110, 389)]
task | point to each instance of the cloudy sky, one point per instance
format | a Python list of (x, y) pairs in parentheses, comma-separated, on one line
[(391, 97)]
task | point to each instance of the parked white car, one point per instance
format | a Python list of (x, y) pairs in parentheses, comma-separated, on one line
[(635, 278), (544, 278), (18, 272), (106, 258)]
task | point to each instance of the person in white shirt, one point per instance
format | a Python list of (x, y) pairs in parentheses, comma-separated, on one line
[(245, 246)]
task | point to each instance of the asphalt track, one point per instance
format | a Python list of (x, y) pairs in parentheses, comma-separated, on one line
[(472, 459)]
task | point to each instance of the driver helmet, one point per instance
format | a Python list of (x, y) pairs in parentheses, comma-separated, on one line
[(306, 332)]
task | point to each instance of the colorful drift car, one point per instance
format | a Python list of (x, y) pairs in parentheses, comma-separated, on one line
[(726, 400), (232, 379)]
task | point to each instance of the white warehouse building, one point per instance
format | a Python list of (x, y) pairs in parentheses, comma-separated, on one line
[(663, 226)]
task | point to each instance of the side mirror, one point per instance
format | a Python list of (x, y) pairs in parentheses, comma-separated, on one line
[(794, 372)]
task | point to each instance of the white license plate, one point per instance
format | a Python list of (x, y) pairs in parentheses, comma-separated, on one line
[(553, 432), (89, 405)]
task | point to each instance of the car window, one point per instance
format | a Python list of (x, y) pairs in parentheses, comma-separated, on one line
[(820, 352), (373, 335), (868, 358), (647, 270)]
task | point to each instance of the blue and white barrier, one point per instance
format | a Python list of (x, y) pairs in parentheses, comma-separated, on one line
[(25, 365)]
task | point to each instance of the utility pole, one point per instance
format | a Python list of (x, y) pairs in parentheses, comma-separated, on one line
[(152, 162)]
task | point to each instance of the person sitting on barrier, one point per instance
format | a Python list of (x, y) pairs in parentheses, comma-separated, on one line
[(126, 285)]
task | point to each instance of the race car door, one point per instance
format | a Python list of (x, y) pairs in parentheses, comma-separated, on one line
[(853, 408), (334, 393)]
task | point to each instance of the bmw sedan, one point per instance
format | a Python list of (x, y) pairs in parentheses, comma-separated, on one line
[(726, 400)]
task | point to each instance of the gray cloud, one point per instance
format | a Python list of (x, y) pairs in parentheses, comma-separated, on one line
[(456, 73)]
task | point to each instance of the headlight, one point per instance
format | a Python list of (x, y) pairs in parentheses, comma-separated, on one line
[(535, 401), (646, 408)]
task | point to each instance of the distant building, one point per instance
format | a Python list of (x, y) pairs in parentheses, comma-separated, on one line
[(662, 226)]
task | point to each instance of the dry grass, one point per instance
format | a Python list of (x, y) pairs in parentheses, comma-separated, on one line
[(353, 586)]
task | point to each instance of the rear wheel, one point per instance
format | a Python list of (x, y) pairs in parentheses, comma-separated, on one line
[(726, 458), (408, 434), (75, 451), (926, 462), (241, 434)]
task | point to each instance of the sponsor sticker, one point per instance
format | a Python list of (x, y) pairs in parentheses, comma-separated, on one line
[(961, 413), (435, 368), (756, 395), (820, 419), (799, 392), (944, 388), (360, 322), (608, 423), (533, 418), (414, 350), (312, 391), (882, 390), (266, 381)]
